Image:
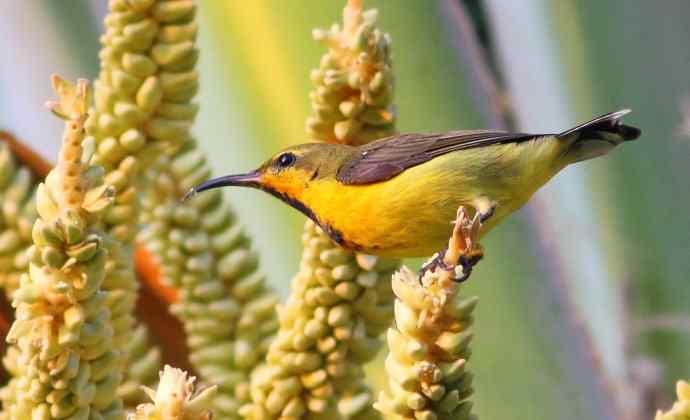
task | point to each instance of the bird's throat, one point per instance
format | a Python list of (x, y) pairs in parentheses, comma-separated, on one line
[(332, 232)]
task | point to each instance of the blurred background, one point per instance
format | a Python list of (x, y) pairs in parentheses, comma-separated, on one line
[(585, 293)]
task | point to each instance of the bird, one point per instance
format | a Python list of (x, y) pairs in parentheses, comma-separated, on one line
[(396, 196)]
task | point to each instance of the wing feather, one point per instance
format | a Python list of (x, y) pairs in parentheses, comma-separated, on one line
[(386, 158)]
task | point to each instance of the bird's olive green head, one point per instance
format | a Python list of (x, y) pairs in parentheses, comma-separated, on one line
[(289, 173)]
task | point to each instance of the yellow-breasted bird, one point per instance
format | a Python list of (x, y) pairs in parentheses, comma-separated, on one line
[(396, 196)]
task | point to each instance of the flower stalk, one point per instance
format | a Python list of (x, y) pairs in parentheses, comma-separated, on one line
[(329, 327), (353, 96), (429, 347), (63, 332), (141, 97), (340, 301), (17, 214), (227, 310)]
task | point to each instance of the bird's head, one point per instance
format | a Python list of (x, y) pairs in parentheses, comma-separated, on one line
[(288, 174)]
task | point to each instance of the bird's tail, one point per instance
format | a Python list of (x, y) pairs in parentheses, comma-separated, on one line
[(598, 136)]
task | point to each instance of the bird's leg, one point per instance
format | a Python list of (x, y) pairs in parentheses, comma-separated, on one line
[(485, 208), (463, 252)]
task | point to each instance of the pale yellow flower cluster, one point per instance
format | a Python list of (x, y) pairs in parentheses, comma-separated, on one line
[(17, 216), (227, 311), (339, 305), (429, 346), (353, 99), (66, 361), (340, 301), (142, 107)]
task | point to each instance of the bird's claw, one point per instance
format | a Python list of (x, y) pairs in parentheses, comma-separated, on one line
[(467, 263), (462, 253)]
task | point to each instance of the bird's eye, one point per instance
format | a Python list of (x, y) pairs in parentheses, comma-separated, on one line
[(286, 159)]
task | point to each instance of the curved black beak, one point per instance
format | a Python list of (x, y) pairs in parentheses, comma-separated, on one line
[(250, 179)]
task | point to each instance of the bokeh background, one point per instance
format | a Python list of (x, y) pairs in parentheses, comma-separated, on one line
[(585, 293)]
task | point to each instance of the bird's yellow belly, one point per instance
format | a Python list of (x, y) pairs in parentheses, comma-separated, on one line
[(411, 222), (410, 215)]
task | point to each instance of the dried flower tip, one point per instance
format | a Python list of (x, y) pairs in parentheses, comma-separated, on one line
[(465, 238)]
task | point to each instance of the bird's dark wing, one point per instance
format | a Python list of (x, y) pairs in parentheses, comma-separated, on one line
[(386, 158)]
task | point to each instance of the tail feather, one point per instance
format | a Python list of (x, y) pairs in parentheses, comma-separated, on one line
[(598, 136)]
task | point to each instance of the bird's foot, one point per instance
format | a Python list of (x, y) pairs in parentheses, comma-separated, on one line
[(462, 269), (466, 263), (463, 252)]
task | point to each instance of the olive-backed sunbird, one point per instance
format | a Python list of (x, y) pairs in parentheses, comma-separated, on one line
[(396, 196)]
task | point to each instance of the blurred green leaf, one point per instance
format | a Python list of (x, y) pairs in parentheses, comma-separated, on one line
[(637, 56)]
